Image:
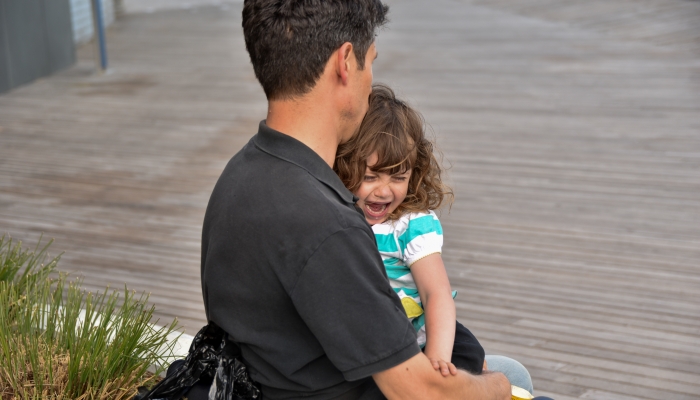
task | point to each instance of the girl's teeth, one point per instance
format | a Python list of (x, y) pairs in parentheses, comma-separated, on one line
[(377, 208)]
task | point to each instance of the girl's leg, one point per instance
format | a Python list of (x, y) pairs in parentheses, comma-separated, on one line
[(515, 372), (467, 353)]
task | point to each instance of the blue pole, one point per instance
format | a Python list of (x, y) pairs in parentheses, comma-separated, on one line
[(100, 33)]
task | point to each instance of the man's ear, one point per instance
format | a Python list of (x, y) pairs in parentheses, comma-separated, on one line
[(345, 56)]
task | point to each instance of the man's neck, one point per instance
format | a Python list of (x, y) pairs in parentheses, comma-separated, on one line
[(311, 121)]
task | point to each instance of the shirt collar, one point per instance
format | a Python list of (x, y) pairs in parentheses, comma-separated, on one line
[(291, 150)]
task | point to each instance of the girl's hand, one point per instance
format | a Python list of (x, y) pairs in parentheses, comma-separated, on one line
[(445, 367)]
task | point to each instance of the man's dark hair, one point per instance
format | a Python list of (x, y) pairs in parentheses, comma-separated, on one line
[(290, 41)]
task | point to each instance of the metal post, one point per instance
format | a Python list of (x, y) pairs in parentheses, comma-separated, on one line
[(99, 30)]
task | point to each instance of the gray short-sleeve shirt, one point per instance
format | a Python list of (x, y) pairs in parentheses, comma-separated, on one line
[(291, 271)]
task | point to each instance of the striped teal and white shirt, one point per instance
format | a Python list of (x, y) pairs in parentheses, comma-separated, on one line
[(401, 243)]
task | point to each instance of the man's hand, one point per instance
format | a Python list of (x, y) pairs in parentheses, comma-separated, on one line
[(445, 367)]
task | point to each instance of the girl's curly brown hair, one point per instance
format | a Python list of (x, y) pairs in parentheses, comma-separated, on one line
[(396, 133)]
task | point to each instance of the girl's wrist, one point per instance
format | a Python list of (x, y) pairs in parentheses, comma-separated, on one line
[(436, 355)]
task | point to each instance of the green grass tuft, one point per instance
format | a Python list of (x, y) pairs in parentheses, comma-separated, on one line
[(58, 341)]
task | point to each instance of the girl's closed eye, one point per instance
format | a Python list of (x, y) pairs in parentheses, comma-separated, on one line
[(402, 176)]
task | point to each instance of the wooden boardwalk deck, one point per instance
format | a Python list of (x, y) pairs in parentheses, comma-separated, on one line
[(572, 129)]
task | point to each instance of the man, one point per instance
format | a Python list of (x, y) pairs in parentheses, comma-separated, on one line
[(290, 269)]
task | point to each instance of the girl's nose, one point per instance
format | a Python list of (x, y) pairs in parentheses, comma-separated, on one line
[(382, 190)]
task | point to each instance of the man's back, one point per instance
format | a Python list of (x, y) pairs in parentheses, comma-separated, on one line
[(290, 270)]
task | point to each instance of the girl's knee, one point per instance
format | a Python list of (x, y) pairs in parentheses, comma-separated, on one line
[(516, 373)]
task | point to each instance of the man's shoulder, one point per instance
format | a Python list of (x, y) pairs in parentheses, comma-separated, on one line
[(270, 192), (317, 208)]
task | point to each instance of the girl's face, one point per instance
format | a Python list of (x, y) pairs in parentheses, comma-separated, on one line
[(380, 193)]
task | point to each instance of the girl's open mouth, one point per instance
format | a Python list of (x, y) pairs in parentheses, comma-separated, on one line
[(376, 210)]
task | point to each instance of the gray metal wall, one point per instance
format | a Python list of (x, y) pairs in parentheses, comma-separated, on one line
[(36, 39)]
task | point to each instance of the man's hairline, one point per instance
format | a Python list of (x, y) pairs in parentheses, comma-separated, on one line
[(292, 97)]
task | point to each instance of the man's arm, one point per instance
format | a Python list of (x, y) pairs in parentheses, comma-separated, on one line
[(415, 378)]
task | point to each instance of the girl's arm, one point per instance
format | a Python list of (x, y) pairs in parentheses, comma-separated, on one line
[(439, 307)]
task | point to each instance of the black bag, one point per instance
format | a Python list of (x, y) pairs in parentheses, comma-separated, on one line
[(212, 359)]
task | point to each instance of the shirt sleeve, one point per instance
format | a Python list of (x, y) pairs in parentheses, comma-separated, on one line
[(422, 237), (345, 299)]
